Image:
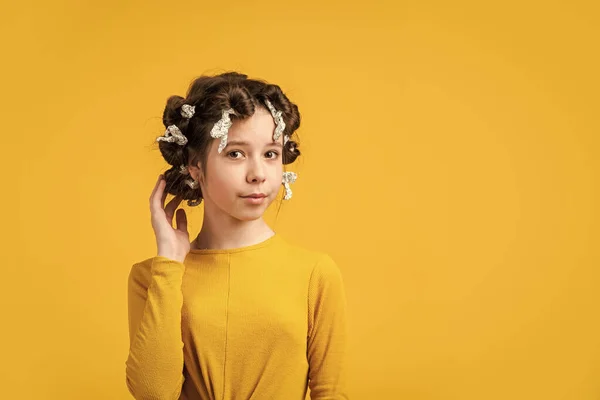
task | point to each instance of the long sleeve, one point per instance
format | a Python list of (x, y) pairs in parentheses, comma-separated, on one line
[(154, 366), (327, 332)]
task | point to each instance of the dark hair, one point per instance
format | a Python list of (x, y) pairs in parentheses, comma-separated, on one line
[(211, 95)]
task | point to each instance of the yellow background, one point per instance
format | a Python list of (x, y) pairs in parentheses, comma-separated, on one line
[(450, 167)]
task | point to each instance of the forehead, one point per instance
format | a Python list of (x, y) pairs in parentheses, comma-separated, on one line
[(258, 128)]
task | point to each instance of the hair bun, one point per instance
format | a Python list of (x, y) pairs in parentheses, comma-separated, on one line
[(177, 186)]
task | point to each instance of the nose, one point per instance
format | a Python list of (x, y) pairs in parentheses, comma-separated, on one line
[(256, 172)]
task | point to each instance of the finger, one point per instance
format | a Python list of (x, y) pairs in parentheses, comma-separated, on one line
[(156, 193), (155, 187), (171, 207), (164, 194), (181, 220)]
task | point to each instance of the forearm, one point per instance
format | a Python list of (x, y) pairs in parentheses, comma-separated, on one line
[(155, 362)]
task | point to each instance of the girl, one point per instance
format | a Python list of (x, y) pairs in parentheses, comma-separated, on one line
[(238, 313)]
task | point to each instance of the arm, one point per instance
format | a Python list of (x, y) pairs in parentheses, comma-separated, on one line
[(327, 332), (155, 362)]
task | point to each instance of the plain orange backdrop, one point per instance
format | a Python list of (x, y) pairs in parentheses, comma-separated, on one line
[(450, 167)]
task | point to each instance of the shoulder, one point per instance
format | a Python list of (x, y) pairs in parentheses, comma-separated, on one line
[(316, 260), (326, 291), (322, 268), (325, 272)]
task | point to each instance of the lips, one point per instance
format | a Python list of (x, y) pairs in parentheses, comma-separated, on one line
[(255, 196)]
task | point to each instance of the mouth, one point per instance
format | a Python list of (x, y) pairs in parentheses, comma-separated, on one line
[(255, 199)]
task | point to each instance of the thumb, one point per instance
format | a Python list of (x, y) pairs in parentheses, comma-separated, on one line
[(181, 220)]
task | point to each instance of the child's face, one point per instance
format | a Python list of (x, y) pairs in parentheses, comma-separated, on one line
[(250, 163)]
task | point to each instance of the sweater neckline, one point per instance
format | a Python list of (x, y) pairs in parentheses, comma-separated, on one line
[(255, 246)]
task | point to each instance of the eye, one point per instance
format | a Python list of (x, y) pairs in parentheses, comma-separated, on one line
[(233, 152), (275, 154)]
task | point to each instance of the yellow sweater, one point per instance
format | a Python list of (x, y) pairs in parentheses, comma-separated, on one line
[(261, 322)]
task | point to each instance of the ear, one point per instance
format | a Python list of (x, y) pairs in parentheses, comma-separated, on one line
[(196, 172)]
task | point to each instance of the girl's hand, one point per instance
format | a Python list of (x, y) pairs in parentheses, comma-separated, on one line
[(171, 243)]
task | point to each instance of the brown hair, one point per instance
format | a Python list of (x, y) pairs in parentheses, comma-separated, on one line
[(211, 95)]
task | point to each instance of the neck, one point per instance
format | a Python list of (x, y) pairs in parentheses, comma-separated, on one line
[(221, 231)]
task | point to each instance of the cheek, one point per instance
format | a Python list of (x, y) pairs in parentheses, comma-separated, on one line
[(275, 181), (224, 181), (220, 182), (278, 174)]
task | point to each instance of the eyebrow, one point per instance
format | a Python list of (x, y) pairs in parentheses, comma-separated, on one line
[(243, 143)]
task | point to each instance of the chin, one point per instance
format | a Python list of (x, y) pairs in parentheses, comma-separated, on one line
[(248, 216), (249, 213)]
